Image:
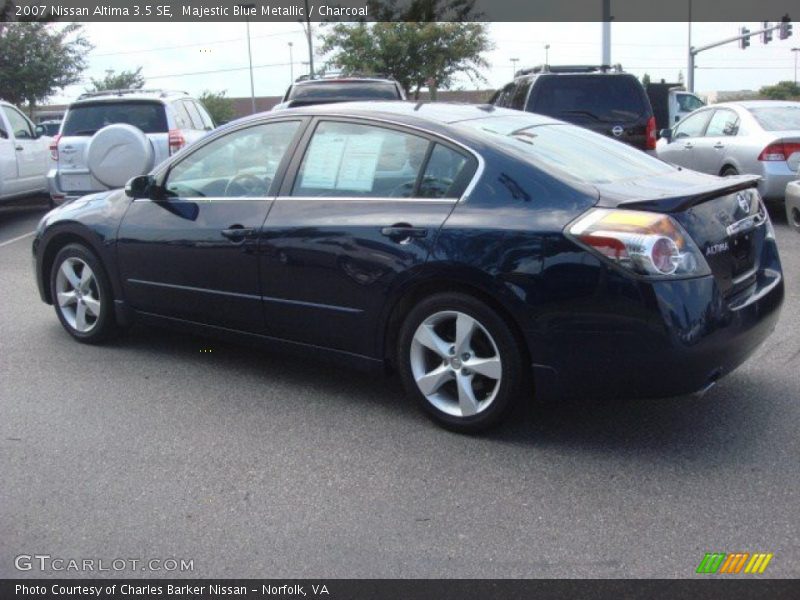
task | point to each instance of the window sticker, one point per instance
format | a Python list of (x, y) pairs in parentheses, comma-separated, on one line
[(325, 169)]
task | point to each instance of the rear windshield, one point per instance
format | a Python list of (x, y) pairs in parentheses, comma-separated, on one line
[(578, 152), (357, 91), (87, 119), (777, 118), (611, 98)]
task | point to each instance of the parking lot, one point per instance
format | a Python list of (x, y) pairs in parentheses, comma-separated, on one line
[(166, 446)]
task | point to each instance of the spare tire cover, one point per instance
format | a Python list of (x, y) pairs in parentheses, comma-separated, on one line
[(118, 152)]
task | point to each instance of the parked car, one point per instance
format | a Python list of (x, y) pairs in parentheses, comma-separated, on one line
[(51, 127), (793, 203), (327, 90), (758, 137), (601, 98), (23, 154), (108, 137), (471, 249), (671, 103)]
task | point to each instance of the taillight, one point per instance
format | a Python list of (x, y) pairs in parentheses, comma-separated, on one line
[(779, 151), (176, 141), (645, 243), (54, 147), (651, 133)]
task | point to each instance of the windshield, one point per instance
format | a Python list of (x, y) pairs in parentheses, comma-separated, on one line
[(578, 152), (605, 98), (777, 118), (376, 90), (87, 119)]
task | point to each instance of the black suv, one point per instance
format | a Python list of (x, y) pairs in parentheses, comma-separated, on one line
[(326, 90), (601, 98)]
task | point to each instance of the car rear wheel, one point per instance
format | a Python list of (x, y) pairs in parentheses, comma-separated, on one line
[(82, 295), (729, 171), (461, 362)]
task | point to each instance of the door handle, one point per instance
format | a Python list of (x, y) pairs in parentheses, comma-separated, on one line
[(238, 233), (403, 231), (19, 148), (688, 145), (719, 145)]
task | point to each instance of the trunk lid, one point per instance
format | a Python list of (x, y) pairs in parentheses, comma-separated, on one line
[(725, 217)]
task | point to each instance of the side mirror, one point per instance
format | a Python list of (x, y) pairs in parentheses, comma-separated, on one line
[(665, 134), (142, 186), (39, 131)]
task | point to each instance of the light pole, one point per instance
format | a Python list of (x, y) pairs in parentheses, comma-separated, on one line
[(310, 43), (291, 64), (795, 51), (547, 54), (514, 62), (249, 8)]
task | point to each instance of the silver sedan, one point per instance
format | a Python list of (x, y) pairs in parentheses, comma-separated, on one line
[(760, 137)]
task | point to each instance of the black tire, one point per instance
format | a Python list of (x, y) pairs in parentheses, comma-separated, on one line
[(103, 326), (729, 171), (506, 346)]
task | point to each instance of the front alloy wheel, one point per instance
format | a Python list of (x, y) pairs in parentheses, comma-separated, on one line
[(461, 361)]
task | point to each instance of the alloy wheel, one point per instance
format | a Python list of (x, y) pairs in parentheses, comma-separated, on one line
[(456, 363), (78, 294)]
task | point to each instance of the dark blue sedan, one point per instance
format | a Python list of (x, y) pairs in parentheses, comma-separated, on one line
[(487, 255)]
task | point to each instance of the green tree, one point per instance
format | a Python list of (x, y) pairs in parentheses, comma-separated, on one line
[(218, 106), (124, 80), (37, 59), (783, 90), (416, 54)]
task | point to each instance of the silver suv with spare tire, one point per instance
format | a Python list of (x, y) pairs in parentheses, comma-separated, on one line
[(108, 137)]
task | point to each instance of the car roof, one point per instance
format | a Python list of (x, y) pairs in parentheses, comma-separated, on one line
[(305, 82), (410, 112), (117, 95)]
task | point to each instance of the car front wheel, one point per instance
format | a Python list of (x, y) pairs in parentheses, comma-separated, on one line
[(461, 361), (82, 295)]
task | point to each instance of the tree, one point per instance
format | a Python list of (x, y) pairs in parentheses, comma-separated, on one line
[(124, 80), (783, 90), (416, 54), (36, 59), (646, 79), (218, 106)]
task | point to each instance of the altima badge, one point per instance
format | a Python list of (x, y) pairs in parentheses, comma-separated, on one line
[(715, 249)]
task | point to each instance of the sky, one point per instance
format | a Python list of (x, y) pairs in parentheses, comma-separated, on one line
[(213, 56)]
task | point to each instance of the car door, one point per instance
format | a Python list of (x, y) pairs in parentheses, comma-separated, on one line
[(192, 255), (680, 150), (718, 141), (358, 213), (30, 151)]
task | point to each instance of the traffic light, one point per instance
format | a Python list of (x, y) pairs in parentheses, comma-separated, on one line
[(785, 30), (766, 36), (744, 42)]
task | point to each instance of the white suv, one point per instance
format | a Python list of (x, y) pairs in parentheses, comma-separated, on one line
[(108, 137)]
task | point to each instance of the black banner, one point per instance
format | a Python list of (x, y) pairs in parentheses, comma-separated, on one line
[(389, 589), (651, 11)]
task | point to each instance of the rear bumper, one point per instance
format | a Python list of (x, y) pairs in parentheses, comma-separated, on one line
[(57, 193), (660, 339), (775, 177)]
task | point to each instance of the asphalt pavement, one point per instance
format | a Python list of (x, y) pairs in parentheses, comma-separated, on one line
[(250, 464)]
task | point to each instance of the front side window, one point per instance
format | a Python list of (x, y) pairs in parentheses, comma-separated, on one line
[(19, 124), (237, 165), (723, 123), (353, 160), (693, 125)]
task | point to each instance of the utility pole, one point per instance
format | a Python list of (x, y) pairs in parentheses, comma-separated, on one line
[(547, 54), (514, 62), (291, 64), (249, 8), (310, 43), (606, 32), (690, 56)]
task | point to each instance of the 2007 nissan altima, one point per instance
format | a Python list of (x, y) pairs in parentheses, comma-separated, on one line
[(487, 255)]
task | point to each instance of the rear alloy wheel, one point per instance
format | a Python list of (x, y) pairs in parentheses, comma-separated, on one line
[(729, 171), (461, 361), (82, 295)]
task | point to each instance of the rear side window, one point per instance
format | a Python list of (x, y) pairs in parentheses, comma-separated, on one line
[(87, 119), (578, 152), (446, 174), (194, 114), (182, 120), (587, 98), (693, 125), (369, 91), (777, 118), (723, 123)]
